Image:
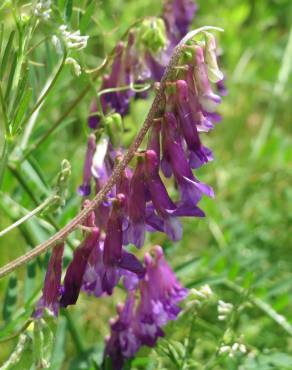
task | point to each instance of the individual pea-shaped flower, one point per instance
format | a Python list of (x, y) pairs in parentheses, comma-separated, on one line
[(76, 269), (190, 188), (160, 294), (85, 188), (114, 257), (198, 153), (161, 201), (137, 206), (52, 284), (94, 272), (214, 73), (207, 98)]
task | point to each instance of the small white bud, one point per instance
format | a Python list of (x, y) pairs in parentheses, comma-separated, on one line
[(224, 309), (74, 63), (73, 40), (224, 349), (43, 9)]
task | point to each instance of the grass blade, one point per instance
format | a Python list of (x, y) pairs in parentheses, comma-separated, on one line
[(68, 10), (86, 17), (6, 54), (10, 78)]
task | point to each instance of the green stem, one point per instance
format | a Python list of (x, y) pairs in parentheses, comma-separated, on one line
[(263, 306), (18, 332), (34, 212), (190, 345)]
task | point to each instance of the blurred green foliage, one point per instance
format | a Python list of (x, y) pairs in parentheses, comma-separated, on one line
[(242, 249)]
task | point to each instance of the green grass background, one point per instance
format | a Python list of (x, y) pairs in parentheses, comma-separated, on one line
[(246, 237)]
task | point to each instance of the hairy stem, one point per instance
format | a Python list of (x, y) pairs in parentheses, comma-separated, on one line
[(119, 168)]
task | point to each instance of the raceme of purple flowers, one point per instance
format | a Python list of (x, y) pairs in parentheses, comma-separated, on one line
[(140, 202), (147, 309)]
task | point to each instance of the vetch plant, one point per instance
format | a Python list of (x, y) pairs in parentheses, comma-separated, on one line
[(129, 186)]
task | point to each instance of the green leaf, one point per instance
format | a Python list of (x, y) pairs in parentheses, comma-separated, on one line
[(1, 36), (86, 17), (10, 298), (20, 357), (22, 109), (58, 353), (20, 91), (68, 10), (6, 54), (11, 76), (43, 341)]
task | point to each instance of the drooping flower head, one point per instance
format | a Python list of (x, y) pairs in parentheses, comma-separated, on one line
[(115, 258), (137, 206), (76, 269), (160, 294), (52, 284), (123, 342)]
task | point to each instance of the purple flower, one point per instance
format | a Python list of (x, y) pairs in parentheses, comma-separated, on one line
[(52, 284), (208, 100), (94, 272), (160, 294), (190, 188), (123, 341), (154, 66), (114, 257), (137, 206), (184, 11), (85, 188), (76, 269), (94, 117), (161, 201), (178, 15), (221, 87), (198, 153)]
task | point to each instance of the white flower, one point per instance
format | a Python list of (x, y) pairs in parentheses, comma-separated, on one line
[(73, 40), (204, 292), (43, 9), (233, 350), (224, 309), (197, 296), (74, 63)]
